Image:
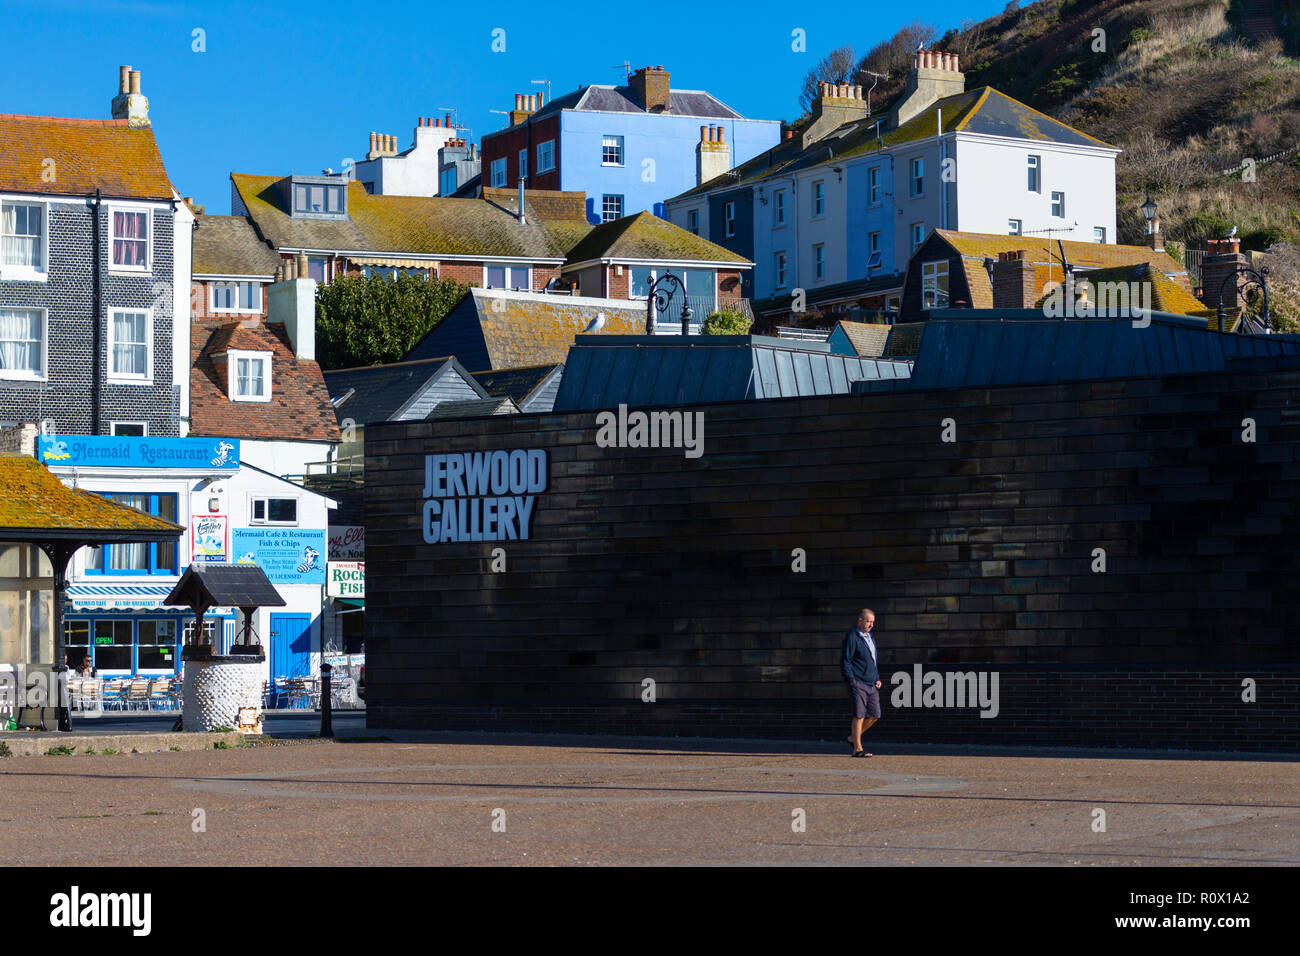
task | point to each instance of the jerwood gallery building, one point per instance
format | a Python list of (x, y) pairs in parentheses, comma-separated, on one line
[(1071, 533)]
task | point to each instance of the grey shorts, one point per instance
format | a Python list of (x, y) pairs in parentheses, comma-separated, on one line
[(865, 697)]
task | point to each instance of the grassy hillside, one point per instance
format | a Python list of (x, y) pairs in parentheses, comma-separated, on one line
[(1177, 86)]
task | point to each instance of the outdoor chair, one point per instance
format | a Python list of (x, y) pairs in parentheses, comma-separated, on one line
[(137, 695), (160, 694), (114, 694)]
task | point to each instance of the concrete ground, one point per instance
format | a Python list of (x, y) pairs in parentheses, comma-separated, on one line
[(480, 799)]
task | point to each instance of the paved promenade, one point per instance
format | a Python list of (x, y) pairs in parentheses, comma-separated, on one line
[(477, 799)]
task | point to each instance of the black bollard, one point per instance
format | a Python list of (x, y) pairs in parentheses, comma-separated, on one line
[(326, 724)]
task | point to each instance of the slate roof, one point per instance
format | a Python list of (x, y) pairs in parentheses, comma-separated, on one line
[(1045, 256), (415, 225), (36, 501), (904, 339), (666, 370), (501, 329), (515, 383), (472, 409), (959, 349), (376, 393), (835, 292), (224, 585), (87, 154), (605, 98), (228, 245), (646, 236), (867, 338), (299, 409), (983, 110)]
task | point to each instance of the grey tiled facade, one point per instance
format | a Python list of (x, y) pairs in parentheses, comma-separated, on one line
[(64, 398)]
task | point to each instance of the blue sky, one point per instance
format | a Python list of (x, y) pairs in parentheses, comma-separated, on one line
[(296, 87)]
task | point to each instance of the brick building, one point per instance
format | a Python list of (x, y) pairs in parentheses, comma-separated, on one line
[(94, 274)]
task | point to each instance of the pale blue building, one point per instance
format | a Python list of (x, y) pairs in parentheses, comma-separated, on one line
[(629, 148)]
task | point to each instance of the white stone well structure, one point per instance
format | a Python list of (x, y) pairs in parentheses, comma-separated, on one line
[(223, 690)]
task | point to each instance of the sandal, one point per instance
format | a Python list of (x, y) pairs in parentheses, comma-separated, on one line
[(862, 753)]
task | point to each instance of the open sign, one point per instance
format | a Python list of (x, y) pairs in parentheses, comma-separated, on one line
[(345, 579)]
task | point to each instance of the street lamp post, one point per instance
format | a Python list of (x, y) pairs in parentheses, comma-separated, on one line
[(661, 296), (1253, 278)]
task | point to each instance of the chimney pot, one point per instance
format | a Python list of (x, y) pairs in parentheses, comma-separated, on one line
[(446, 120), (124, 79), (135, 82), (704, 134), (722, 134), (302, 265), (519, 101), (540, 99)]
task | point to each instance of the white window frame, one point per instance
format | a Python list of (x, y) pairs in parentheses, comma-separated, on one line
[(1099, 234), (918, 236), (729, 218), (916, 177), (873, 186), (523, 163), (819, 261), (112, 427), (507, 265), (1034, 174), (148, 248), (930, 273), (693, 221), (23, 375), (218, 284), (1055, 194), (622, 206), (232, 357), (1015, 227), (780, 206), (119, 378), (542, 165), (497, 166), (266, 510), (29, 273), (780, 269), (604, 146), (818, 199)]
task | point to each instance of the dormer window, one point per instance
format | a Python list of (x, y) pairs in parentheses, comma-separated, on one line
[(249, 376), (317, 197)]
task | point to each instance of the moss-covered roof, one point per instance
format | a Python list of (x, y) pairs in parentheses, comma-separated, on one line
[(83, 154), (646, 236), (416, 225), (229, 246), (35, 500)]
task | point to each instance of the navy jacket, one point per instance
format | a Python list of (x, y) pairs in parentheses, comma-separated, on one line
[(855, 659)]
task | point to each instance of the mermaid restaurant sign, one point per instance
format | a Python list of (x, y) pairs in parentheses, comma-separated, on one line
[(481, 495)]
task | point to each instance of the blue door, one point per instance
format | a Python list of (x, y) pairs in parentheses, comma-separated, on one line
[(290, 645)]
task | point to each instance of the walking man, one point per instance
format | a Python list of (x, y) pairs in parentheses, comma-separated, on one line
[(861, 678)]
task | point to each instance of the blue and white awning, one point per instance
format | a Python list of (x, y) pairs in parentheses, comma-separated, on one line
[(119, 597)]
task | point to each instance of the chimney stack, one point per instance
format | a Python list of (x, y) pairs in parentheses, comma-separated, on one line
[(836, 104), (291, 300), (934, 75), (712, 154), (1013, 281), (130, 104), (651, 86), (1222, 258)]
